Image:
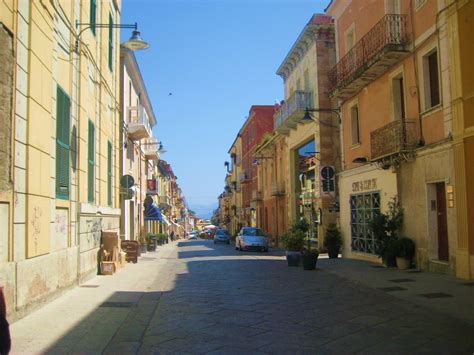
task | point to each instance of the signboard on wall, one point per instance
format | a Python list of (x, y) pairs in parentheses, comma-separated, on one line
[(151, 187)]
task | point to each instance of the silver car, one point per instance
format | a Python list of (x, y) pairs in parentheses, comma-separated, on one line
[(221, 236), (251, 238)]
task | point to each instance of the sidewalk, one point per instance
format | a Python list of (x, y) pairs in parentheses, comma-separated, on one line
[(443, 293), (89, 305)]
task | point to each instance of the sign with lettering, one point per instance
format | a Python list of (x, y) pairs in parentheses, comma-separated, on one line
[(364, 185)]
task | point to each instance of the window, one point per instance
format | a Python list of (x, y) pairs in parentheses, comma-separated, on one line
[(109, 173), (111, 48), (398, 96), (430, 71), (363, 209), (63, 109), (92, 15), (355, 125), (90, 163)]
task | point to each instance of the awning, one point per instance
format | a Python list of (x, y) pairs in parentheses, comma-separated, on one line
[(165, 219), (153, 213)]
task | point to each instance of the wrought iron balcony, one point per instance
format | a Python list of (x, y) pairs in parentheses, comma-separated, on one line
[(150, 148), (138, 124), (384, 45), (277, 188), (396, 137), (292, 111)]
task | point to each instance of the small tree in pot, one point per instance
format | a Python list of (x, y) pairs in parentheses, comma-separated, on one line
[(405, 250), (333, 240), (309, 255), (293, 241)]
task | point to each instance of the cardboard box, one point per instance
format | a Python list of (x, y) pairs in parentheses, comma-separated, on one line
[(107, 268)]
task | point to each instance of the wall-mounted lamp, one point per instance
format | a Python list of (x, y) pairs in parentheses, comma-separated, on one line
[(227, 164), (134, 43), (360, 160), (308, 117)]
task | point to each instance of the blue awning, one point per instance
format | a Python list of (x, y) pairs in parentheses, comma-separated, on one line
[(153, 213)]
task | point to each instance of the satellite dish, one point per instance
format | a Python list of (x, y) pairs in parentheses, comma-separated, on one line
[(127, 181)]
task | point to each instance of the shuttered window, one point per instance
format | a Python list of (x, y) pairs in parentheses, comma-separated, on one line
[(90, 163), (63, 110), (109, 173), (92, 15), (111, 48)]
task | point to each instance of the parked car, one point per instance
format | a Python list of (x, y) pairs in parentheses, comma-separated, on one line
[(251, 238), (221, 236), (193, 235)]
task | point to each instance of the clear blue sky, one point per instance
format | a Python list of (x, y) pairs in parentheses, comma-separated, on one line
[(217, 58)]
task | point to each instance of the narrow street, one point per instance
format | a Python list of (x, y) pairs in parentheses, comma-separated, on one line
[(197, 297)]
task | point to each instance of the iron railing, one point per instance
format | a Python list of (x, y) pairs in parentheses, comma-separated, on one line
[(388, 32), (396, 137), (299, 100), (137, 116)]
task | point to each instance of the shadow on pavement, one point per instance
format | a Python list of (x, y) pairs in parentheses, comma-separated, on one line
[(229, 305)]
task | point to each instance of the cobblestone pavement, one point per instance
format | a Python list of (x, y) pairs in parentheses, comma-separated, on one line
[(196, 297)]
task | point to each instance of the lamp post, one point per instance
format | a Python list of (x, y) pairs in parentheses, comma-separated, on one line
[(308, 117)]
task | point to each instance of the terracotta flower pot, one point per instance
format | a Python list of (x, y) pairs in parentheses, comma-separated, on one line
[(403, 263)]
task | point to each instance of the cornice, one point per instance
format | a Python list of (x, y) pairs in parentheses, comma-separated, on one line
[(311, 33)]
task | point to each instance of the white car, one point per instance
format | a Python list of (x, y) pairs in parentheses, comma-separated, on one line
[(193, 235), (251, 238)]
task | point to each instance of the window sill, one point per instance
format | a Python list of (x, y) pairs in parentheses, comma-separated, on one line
[(432, 110)]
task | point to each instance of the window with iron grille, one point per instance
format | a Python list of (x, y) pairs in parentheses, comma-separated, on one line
[(63, 110), (363, 209)]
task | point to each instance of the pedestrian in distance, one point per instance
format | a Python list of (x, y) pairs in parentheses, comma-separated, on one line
[(5, 341), (172, 236)]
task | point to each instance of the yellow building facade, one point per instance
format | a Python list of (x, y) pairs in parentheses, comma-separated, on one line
[(234, 186), (61, 183), (459, 15)]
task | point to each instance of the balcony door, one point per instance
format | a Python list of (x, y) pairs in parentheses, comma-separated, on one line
[(398, 97)]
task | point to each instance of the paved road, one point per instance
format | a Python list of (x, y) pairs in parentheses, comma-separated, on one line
[(195, 297)]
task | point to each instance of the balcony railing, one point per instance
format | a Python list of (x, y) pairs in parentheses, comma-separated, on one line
[(277, 189), (150, 148), (396, 137), (381, 47), (292, 111), (138, 124)]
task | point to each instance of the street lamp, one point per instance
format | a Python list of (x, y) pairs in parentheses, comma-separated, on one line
[(134, 43)]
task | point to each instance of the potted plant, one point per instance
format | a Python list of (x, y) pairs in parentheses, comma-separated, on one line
[(142, 240), (309, 254), (151, 242), (333, 240), (293, 241), (385, 227), (405, 250)]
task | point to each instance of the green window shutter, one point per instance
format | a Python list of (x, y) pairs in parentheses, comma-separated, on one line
[(63, 110), (109, 173), (93, 10), (90, 164), (111, 48)]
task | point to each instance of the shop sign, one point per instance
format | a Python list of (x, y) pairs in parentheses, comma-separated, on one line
[(364, 185)]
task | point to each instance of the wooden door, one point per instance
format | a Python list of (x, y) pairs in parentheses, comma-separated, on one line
[(443, 247)]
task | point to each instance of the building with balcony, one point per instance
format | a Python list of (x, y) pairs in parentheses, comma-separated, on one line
[(139, 149), (59, 144), (259, 122), (305, 72), (235, 185), (392, 80)]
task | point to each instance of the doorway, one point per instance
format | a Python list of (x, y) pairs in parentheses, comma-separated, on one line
[(437, 222)]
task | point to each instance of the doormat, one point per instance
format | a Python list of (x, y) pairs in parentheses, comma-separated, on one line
[(393, 288), (402, 280), (435, 295)]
